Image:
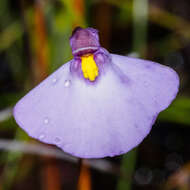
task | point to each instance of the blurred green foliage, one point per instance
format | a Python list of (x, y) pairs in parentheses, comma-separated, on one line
[(178, 112)]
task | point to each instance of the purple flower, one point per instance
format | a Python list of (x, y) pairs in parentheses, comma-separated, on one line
[(98, 104)]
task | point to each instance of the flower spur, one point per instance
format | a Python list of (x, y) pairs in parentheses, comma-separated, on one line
[(98, 104)]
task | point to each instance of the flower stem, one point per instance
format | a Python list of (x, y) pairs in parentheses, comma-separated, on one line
[(127, 169)]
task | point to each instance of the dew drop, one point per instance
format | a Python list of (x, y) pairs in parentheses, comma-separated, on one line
[(57, 140), (46, 120), (67, 83), (54, 80), (42, 136)]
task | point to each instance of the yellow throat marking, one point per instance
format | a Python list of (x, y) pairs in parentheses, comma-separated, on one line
[(89, 67)]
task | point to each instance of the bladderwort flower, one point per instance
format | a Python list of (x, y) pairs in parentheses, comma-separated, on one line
[(98, 104)]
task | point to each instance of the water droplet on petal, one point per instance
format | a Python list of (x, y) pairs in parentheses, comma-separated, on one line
[(67, 83), (54, 80), (46, 120), (42, 136), (57, 140)]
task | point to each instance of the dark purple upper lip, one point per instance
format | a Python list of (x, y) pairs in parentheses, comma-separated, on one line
[(84, 41), (84, 50)]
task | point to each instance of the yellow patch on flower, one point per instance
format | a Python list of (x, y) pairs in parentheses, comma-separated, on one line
[(89, 67)]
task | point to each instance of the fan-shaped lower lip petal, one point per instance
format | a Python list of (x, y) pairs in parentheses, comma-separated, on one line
[(85, 49), (95, 121)]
